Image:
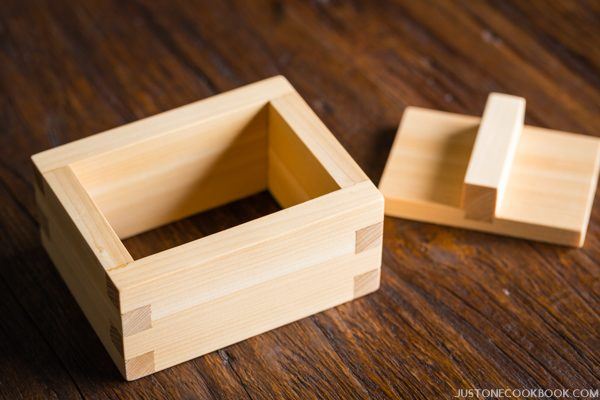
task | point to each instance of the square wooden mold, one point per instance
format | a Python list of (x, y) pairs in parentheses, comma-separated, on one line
[(322, 249)]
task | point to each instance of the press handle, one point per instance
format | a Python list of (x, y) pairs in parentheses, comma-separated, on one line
[(492, 156)]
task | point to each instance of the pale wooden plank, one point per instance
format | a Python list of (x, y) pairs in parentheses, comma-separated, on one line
[(167, 178), (295, 173), (259, 250), (162, 124), (252, 310), (318, 139), (89, 220), (99, 311)]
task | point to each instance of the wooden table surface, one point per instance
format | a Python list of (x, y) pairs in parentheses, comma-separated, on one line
[(456, 309)]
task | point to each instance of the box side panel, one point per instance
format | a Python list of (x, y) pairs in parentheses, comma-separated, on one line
[(306, 277), (270, 275), (248, 254), (295, 174), (62, 202), (81, 271), (254, 310), (167, 178), (293, 114), (258, 94)]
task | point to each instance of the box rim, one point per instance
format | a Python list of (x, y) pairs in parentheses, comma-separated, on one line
[(73, 152)]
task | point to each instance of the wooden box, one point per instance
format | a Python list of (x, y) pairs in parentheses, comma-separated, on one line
[(322, 249)]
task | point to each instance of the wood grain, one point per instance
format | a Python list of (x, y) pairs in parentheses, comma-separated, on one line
[(492, 156), (456, 309), (549, 190)]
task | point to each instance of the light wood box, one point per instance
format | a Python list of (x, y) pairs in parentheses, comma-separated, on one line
[(322, 249)]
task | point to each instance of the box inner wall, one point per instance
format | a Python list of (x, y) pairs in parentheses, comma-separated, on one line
[(197, 168)]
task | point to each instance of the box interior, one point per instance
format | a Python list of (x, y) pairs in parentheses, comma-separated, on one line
[(200, 225), (202, 166)]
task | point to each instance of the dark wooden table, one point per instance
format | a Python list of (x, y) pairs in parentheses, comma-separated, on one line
[(456, 310)]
